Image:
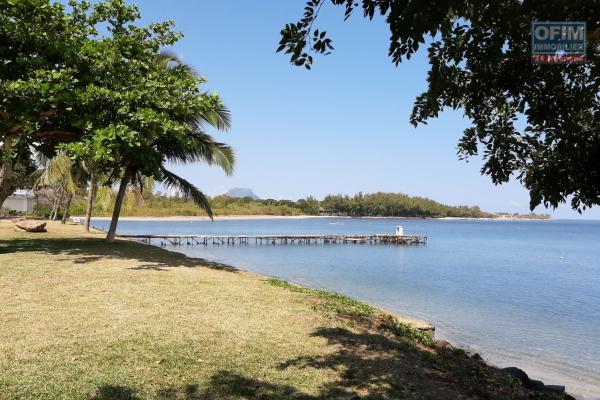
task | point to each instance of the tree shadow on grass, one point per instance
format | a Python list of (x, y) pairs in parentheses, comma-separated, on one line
[(231, 385), (114, 392), (371, 365), (88, 250), (187, 392), (368, 365)]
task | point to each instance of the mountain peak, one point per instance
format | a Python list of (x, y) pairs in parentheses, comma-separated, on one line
[(242, 192)]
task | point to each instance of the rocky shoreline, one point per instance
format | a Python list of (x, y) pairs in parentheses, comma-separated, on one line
[(535, 385)]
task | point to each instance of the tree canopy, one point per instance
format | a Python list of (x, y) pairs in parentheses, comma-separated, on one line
[(153, 109), (396, 205), (479, 54), (91, 82), (42, 76)]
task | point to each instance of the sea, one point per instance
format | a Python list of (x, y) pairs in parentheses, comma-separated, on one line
[(520, 293)]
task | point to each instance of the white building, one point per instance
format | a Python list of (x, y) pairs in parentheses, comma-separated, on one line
[(21, 200)]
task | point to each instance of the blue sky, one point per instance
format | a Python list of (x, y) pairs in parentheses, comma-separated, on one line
[(341, 127)]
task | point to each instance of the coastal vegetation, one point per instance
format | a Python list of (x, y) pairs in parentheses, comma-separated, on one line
[(396, 205), (154, 204), (86, 319)]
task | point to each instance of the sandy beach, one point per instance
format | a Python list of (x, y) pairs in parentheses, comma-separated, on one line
[(205, 218), (253, 217)]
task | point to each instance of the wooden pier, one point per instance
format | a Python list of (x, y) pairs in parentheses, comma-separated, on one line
[(205, 240)]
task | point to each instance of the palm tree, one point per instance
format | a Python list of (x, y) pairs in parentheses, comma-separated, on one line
[(62, 176), (104, 195), (200, 148), (142, 189), (56, 174), (136, 194), (91, 169), (197, 146)]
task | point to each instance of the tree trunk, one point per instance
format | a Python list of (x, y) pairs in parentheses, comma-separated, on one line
[(110, 236), (58, 204), (54, 205), (66, 209), (90, 200), (6, 170)]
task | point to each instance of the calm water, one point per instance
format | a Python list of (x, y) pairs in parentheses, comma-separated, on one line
[(524, 293)]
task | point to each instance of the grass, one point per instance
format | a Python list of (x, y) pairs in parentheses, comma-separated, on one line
[(83, 319), (331, 303)]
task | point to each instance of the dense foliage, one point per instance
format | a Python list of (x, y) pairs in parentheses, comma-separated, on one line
[(368, 205), (157, 205), (43, 76), (479, 54), (90, 82), (396, 205)]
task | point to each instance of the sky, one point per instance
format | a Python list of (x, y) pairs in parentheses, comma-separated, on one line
[(341, 127)]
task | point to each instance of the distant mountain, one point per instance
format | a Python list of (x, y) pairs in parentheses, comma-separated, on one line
[(242, 192)]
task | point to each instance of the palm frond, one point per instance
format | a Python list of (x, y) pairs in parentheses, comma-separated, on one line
[(224, 157), (36, 175), (147, 186), (55, 170), (105, 197), (218, 117), (200, 147), (165, 57), (171, 60), (132, 197), (69, 184), (140, 188), (172, 181)]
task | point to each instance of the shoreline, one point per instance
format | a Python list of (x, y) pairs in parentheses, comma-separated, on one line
[(421, 325), (401, 317), (418, 323), (180, 218)]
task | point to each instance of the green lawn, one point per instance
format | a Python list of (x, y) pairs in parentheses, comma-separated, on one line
[(83, 319)]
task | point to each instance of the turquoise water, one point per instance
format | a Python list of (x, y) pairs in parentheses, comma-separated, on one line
[(523, 293)]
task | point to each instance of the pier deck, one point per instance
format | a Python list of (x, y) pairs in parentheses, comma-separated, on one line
[(205, 240)]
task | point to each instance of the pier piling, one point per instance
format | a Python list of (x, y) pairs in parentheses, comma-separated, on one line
[(205, 240)]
